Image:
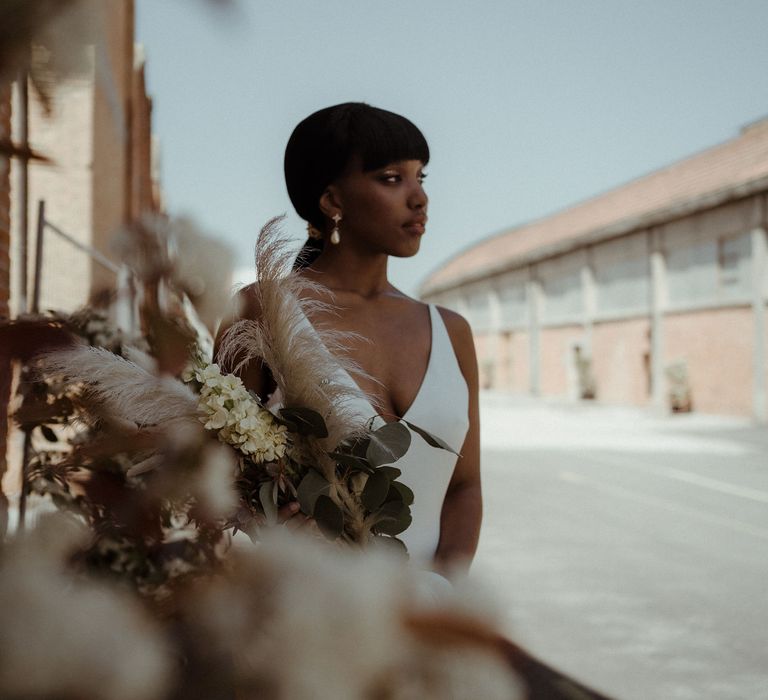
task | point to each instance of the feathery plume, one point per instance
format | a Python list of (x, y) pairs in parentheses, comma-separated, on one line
[(123, 387), (305, 362)]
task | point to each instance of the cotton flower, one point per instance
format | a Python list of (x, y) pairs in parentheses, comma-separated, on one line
[(64, 637), (306, 620)]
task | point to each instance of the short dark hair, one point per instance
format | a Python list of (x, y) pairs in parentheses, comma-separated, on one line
[(322, 145)]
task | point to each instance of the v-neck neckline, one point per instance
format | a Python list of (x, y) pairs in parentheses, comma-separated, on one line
[(365, 393)]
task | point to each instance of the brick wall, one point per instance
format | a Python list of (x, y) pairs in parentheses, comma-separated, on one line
[(558, 359), (716, 347), (5, 203), (112, 135), (143, 190), (5, 263), (621, 361)]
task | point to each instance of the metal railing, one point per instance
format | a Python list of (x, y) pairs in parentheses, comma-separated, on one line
[(125, 313)]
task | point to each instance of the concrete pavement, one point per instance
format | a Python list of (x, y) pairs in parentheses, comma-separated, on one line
[(629, 549)]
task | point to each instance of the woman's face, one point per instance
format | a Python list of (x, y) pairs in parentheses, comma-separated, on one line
[(382, 210)]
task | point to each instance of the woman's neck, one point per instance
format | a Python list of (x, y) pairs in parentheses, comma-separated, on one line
[(345, 270)]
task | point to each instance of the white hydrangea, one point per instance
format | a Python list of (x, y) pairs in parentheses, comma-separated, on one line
[(227, 407)]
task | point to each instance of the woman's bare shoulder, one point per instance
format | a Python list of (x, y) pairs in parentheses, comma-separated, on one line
[(458, 326), (460, 333), (245, 303)]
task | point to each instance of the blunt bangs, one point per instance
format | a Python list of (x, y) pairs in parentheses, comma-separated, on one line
[(380, 137)]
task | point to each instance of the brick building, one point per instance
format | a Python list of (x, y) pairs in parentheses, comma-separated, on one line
[(652, 293), (101, 175)]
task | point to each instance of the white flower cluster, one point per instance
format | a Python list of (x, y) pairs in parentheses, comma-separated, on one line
[(228, 408)]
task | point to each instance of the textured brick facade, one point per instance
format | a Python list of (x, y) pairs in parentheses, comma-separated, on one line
[(5, 202), (5, 264), (621, 357), (558, 357), (708, 339)]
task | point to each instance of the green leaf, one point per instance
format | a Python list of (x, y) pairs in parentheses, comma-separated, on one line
[(354, 446), (430, 439), (405, 493), (375, 490), (393, 495), (307, 421), (392, 518), (387, 444), (329, 517), (269, 506), (391, 472), (351, 461), (312, 486)]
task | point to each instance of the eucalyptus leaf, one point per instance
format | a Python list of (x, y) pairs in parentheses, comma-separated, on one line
[(312, 486), (375, 491), (269, 506), (351, 461), (394, 526), (329, 517), (387, 444), (307, 421), (405, 493), (357, 447), (393, 517), (393, 495), (430, 439), (391, 472)]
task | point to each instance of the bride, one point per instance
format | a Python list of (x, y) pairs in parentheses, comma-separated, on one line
[(355, 173)]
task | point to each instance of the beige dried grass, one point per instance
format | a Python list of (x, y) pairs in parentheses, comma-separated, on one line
[(123, 388)]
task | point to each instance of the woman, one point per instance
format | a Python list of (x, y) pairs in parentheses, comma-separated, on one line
[(355, 173)]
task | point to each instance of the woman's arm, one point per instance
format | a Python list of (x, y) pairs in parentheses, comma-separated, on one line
[(255, 375), (463, 505)]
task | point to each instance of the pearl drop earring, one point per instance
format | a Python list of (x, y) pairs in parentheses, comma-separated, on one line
[(335, 237)]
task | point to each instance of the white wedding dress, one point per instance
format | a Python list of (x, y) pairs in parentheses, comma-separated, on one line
[(441, 407)]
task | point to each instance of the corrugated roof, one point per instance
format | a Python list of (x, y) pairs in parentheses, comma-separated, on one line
[(727, 165)]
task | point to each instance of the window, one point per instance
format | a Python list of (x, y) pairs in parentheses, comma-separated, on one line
[(692, 271), (622, 275), (734, 265), (561, 286), (478, 309), (513, 299)]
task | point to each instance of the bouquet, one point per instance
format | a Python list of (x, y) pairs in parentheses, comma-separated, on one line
[(359, 500), (313, 450)]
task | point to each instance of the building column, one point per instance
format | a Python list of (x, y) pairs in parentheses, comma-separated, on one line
[(589, 296), (533, 293), (759, 273), (658, 265), (462, 306), (494, 304)]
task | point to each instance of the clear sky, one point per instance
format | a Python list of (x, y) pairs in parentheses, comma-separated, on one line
[(528, 106)]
